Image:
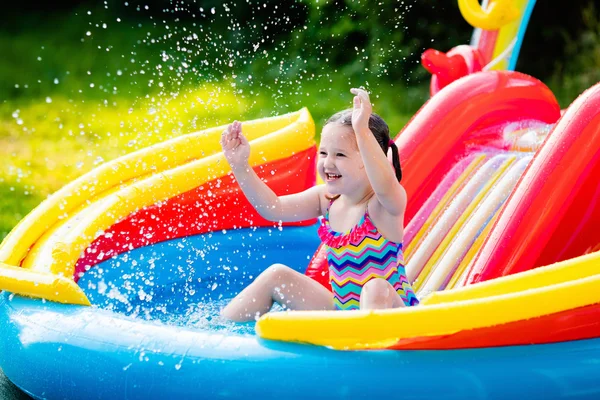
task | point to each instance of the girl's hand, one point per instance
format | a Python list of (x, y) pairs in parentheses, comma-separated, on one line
[(361, 111), (235, 146)]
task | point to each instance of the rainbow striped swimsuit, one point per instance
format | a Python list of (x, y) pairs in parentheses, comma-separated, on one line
[(359, 255)]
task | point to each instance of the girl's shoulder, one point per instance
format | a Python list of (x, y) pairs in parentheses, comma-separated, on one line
[(391, 226)]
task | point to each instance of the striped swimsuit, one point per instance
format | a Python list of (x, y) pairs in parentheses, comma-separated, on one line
[(359, 255)]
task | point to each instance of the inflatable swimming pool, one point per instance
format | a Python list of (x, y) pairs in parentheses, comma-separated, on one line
[(57, 351), (112, 286), (155, 276)]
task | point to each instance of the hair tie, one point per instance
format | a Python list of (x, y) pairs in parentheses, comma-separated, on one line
[(390, 143)]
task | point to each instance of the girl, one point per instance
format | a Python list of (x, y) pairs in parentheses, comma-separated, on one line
[(363, 206)]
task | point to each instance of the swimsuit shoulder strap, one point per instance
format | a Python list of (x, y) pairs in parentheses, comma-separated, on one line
[(329, 206), (366, 215)]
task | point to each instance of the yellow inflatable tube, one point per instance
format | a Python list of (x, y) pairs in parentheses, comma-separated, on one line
[(498, 14), (507, 35), (63, 250), (568, 270), (100, 199), (510, 301), (156, 158), (41, 285)]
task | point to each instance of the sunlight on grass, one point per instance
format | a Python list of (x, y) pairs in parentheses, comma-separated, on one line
[(49, 143)]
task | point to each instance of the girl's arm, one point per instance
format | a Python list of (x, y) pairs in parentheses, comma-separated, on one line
[(390, 194), (294, 207)]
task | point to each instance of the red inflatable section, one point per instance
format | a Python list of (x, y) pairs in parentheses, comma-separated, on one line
[(449, 67), (464, 115), (576, 324), (216, 205), (460, 119), (554, 212), (318, 268)]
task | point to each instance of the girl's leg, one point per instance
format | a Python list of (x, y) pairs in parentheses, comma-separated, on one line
[(278, 283), (378, 294)]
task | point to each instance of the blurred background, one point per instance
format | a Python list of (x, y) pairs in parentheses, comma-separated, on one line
[(83, 82)]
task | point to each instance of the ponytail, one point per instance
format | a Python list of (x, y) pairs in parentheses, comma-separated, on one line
[(396, 160)]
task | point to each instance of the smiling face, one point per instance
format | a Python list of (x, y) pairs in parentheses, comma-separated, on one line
[(340, 164)]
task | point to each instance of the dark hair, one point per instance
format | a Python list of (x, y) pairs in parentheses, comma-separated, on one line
[(380, 130)]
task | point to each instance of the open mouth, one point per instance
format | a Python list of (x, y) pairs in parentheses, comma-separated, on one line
[(332, 177)]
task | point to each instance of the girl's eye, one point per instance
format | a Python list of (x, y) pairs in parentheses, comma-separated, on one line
[(340, 155), (322, 153)]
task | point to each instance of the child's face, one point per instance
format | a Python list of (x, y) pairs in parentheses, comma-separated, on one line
[(340, 164)]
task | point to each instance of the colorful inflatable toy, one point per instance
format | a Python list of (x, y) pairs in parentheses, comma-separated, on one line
[(112, 286)]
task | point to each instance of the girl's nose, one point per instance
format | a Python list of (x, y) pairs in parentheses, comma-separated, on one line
[(328, 162)]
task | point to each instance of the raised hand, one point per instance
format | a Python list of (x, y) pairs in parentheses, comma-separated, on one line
[(235, 146), (361, 111)]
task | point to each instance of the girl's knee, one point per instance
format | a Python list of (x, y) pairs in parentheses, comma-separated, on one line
[(378, 286), (276, 272), (377, 293), (278, 267)]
